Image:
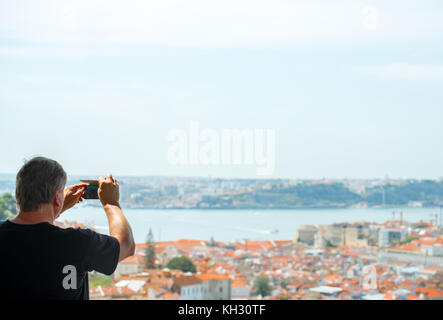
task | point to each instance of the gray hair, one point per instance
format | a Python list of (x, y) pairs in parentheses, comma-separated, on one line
[(37, 182)]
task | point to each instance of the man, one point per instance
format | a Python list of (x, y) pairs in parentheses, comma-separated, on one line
[(41, 261)]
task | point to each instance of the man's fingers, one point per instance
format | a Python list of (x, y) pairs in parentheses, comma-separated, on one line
[(75, 187), (108, 178)]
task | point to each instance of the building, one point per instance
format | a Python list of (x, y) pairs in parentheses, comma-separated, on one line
[(189, 287), (306, 234), (240, 290), (431, 248), (325, 291), (343, 234), (129, 265), (111, 292), (203, 286), (215, 286), (391, 236)]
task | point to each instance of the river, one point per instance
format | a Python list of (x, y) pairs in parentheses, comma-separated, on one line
[(234, 225)]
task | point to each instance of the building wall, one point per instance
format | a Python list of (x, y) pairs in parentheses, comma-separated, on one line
[(125, 268), (319, 241), (307, 236), (192, 292), (334, 235), (217, 289), (415, 258), (388, 236), (207, 290), (240, 292), (438, 250), (356, 237)]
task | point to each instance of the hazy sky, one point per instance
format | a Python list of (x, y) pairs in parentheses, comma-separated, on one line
[(352, 88)]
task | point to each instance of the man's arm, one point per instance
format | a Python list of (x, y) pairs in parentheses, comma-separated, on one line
[(119, 228)]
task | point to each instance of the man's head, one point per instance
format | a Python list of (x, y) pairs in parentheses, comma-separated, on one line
[(40, 181)]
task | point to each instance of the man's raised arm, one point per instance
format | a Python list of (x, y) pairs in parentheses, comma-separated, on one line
[(119, 228)]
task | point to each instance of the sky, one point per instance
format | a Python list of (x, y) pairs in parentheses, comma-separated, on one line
[(352, 89)]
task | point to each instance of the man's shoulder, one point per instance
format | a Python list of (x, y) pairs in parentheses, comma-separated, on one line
[(3, 225), (77, 232), (88, 235), (79, 236)]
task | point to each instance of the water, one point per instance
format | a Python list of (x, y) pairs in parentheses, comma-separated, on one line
[(234, 225)]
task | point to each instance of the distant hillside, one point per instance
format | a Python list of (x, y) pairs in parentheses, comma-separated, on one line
[(427, 191), (319, 195), (430, 193), (176, 192)]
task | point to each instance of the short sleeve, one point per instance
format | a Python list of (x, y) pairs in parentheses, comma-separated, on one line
[(101, 252)]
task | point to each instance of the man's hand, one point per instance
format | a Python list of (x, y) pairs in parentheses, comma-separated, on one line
[(108, 191), (73, 195)]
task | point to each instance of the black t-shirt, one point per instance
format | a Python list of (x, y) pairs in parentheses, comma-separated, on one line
[(42, 261)]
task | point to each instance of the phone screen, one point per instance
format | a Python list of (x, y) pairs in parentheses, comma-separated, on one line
[(91, 192)]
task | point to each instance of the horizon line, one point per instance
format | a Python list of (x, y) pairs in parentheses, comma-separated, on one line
[(243, 178)]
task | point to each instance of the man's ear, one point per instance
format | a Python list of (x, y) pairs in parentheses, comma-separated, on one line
[(58, 199)]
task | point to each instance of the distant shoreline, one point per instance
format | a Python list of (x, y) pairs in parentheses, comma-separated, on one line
[(277, 208)]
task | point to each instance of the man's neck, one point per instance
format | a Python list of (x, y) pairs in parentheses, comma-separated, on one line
[(43, 214)]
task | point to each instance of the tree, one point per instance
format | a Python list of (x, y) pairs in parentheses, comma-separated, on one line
[(284, 283), (408, 239), (150, 251), (8, 207), (182, 263), (262, 286)]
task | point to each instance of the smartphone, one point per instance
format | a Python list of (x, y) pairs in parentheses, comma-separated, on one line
[(91, 190)]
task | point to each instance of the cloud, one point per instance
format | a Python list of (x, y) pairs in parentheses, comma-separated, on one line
[(216, 23), (403, 71)]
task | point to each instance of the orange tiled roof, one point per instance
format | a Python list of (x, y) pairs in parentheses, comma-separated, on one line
[(333, 278), (171, 296), (431, 292), (432, 268), (428, 242), (238, 283), (389, 296), (131, 259), (411, 246), (212, 276), (107, 291), (187, 280)]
